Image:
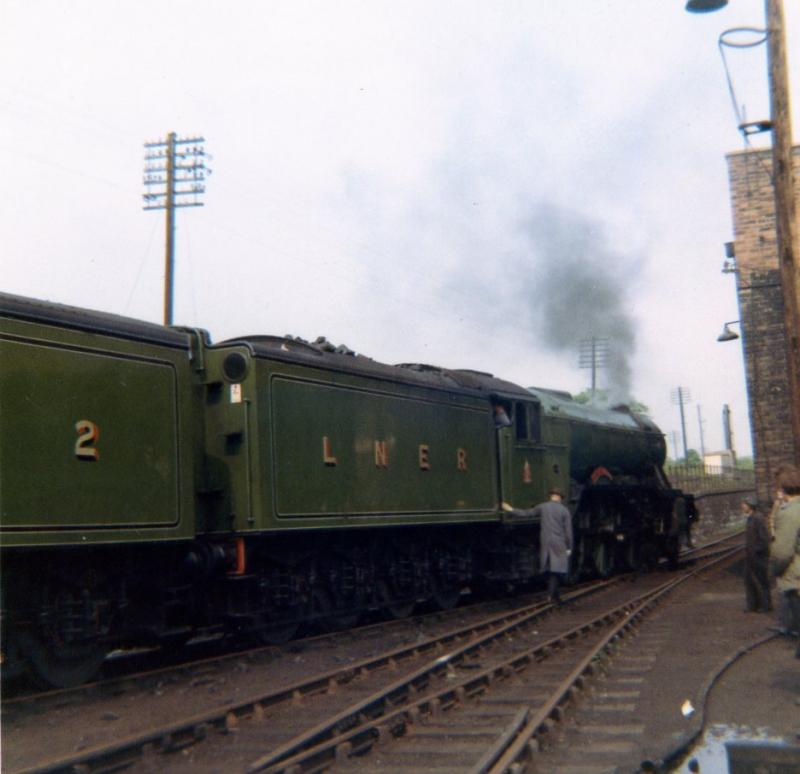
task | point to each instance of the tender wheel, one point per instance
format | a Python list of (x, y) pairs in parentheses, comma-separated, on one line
[(396, 608), (401, 609), (345, 620), (175, 642), (321, 607), (278, 634), (14, 664), (446, 599), (61, 666), (451, 569)]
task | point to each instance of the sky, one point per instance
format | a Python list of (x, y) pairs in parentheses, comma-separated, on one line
[(467, 184)]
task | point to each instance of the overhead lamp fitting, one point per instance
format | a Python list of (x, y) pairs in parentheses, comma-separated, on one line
[(705, 6), (727, 334)]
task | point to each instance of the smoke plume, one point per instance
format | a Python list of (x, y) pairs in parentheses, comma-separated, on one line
[(576, 289)]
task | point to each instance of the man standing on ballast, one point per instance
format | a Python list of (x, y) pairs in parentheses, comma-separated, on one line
[(555, 538)]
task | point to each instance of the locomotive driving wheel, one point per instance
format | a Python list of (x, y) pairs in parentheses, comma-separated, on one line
[(602, 557), (673, 550), (577, 560)]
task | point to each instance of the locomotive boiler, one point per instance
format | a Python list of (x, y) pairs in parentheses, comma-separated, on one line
[(154, 484)]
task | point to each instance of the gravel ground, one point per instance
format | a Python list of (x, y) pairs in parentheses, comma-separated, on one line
[(74, 727), (691, 637)]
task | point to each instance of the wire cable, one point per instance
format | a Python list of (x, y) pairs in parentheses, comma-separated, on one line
[(141, 266)]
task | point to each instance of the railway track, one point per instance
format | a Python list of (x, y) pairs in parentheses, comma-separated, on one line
[(524, 685), (319, 721), (135, 670), (24, 701)]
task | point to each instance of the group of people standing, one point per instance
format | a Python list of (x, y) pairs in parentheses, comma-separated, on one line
[(772, 546)]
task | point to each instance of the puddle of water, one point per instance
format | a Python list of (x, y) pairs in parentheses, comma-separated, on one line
[(710, 754)]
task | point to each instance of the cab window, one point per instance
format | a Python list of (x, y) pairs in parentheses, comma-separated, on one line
[(521, 421), (535, 422)]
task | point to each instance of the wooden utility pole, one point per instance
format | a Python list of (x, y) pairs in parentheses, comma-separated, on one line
[(594, 355), (785, 220), (169, 268), (700, 423), (681, 396), (174, 169)]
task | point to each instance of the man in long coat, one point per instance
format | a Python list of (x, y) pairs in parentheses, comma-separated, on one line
[(555, 539), (756, 566), (786, 547)]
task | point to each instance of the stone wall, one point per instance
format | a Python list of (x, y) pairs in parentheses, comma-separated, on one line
[(758, 286)]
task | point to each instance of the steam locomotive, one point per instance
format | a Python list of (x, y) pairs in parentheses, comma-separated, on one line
[(154, 484)]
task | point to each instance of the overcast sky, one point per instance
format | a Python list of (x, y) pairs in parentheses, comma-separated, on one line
[(469, 184)]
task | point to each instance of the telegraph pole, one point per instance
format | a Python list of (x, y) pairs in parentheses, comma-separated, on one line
[(785, 220), (700, 422), (681, 396), (593, 355), (174, 176)]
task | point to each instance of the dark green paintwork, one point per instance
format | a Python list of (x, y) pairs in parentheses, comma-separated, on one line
[(186, 451), (354, 418), (613, 438), (138, 394), (534, 465), (270, 445)]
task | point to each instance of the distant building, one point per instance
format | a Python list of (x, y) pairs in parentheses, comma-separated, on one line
[(758, 287), (719, 463)]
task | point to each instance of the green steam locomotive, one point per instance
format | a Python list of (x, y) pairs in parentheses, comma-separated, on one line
[(154, 485)]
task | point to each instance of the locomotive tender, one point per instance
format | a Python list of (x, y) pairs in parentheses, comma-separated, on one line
[(153, 484)]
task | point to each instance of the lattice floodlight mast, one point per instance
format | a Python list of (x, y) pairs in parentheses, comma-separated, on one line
[(174, 176)]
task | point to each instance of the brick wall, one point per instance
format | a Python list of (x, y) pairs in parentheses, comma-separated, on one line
[(719, 514), (758, 286)]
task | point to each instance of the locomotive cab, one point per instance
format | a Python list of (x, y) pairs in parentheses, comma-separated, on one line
[(533, 454), (621, 500)]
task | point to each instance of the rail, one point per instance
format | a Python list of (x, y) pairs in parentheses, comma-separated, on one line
[(335, 738)]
